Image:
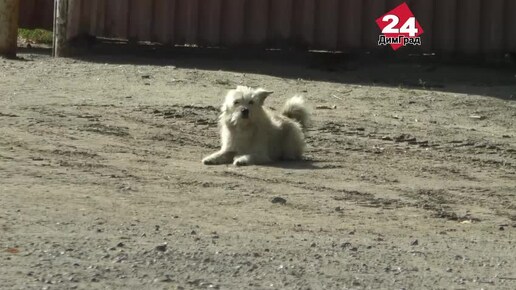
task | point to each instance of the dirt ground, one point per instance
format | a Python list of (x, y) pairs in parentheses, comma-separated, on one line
[(409, 180)]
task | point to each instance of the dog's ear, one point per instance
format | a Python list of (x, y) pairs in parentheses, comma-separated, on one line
[(228, 96), (260, 95)]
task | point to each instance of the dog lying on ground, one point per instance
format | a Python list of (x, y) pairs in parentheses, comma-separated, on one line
[(253, 134)]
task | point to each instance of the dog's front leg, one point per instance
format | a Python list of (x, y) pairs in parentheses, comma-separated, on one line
[(251, 159), (219, 157)]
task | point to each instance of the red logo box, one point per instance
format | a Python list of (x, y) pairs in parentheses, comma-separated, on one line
[(401, 24)]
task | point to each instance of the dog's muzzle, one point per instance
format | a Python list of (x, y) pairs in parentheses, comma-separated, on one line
[(245, 113)]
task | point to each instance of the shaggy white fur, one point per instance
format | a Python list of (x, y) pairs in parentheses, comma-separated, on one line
[(252, 134)]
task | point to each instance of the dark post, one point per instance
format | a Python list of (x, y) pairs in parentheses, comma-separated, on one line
[(9, 10), (60, 48)]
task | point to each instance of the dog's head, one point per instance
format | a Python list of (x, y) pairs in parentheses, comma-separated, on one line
[(244, 105)]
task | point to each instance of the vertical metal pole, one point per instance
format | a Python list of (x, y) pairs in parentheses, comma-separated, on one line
[(60, 28), (54, 28)]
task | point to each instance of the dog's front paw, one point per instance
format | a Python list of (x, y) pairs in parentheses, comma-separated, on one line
[(220, 157), (241, 161), (209, 161)]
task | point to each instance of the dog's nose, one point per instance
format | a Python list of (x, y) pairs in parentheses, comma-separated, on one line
[(245, 112)]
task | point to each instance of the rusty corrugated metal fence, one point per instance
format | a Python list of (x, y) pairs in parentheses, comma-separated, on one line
[(465, 26), (36, 14)]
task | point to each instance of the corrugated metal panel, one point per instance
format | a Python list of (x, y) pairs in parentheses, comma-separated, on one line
[(256, 22), (510, 26), (424, 12), (444, 29), (468, 31), (467, 26), (327, 24), (36, 14), (350, 27), (492, 29)]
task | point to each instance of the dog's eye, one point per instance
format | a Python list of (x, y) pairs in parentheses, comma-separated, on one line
[(251, 102), (236, 102)]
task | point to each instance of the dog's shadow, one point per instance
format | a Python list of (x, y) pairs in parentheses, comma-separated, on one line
[(296, 165)]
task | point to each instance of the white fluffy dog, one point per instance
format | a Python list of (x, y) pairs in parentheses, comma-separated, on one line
[(252, 134)]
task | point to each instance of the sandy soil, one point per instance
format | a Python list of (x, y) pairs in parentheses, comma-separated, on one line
[(409, 180)]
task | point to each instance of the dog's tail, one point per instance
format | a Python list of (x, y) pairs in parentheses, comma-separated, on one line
[(296, 109)]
